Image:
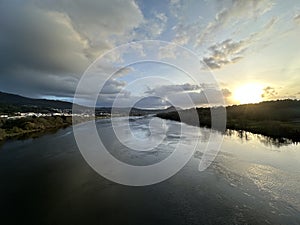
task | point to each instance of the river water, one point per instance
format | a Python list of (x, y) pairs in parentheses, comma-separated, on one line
[(253, 180)]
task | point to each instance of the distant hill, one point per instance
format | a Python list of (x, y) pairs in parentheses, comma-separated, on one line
[(11, 103), (134, 111), (151, 111)]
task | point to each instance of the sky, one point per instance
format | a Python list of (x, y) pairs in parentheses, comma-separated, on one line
[(251, 49)]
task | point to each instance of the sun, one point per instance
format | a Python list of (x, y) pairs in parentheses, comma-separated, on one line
[(249, 93)]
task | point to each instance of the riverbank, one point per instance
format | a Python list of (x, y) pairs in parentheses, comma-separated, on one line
[(276, 119), (31, 126)]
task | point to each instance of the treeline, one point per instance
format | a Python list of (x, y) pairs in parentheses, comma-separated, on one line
[(278, 119), (280, 110)]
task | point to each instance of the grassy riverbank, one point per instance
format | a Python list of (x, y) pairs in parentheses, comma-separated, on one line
[(277, 119), (11, 128)]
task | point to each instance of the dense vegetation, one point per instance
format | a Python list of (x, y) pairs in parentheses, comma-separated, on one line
[(278, 119), (17, 127)]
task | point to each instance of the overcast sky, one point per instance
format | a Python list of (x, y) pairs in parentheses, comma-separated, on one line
[(46, 45)]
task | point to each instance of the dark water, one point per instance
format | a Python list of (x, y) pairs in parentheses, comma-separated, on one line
[(46, 181)]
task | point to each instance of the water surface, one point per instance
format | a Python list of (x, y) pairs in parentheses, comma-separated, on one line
[(252, 181)]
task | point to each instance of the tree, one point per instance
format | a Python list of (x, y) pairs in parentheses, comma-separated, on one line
[(2, 134)]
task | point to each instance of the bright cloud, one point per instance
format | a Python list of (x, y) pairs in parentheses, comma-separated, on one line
[(45, 46)]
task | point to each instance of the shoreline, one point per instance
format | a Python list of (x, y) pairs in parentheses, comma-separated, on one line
[(271, 129), (39, 126), (276, 119), (277, 130)]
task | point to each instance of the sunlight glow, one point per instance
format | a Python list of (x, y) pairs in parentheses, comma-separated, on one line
[(249, 93)]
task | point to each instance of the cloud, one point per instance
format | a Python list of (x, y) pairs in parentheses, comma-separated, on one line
[(269, 93), (152, 102), (39, 40), (168, 51), (127, 100), (229, 51), (183, 31), (152, 27), (34, 84), (236, 10), (175, 8), (226, 92), (99, 21), (46, 46), (192, 99), (297, 19), (161, 17), (182, 95), (179, 95), (166, 90), (188, 95), (231, 16), (265, 33), (123, 71), (225, 53), (113, 86), (107, 100), (287, 96)]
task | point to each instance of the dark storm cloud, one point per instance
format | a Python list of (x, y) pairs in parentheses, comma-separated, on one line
[(46, 45), (113, 86), (38, 40)]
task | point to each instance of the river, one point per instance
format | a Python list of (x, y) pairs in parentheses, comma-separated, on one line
[(253, 180)]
